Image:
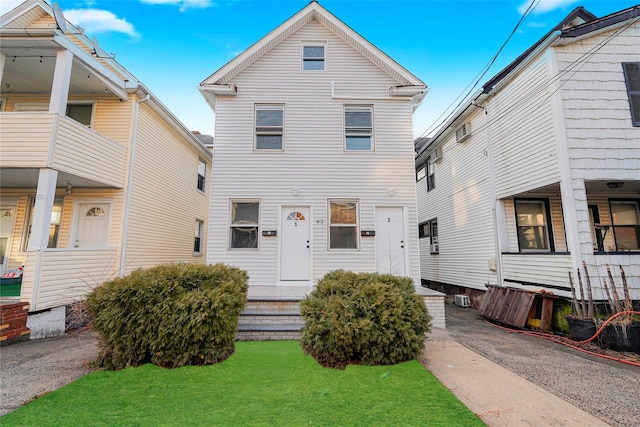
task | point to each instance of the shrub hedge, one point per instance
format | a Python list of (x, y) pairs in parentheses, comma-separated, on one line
[(363, 318), (171, 315)]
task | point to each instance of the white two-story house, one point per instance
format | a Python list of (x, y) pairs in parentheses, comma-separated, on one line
[(540, 171), (314, 157)]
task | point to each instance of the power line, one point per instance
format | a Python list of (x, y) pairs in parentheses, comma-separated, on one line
[(474, 82)]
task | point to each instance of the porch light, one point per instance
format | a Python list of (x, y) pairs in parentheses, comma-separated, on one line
[(615, 184)]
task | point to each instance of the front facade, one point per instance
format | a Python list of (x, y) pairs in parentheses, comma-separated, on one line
[(314, 157), (98, 177), (540, 172)]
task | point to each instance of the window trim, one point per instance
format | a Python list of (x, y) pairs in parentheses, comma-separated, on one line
[(547, 223), (422, 232), (198, 238), (202, 178), (421, 172), (430, 173), (613, 226), (371, 129), (230, 225), (434, 244), (256, 133), (303, 59), (632, 93), (356, 225)]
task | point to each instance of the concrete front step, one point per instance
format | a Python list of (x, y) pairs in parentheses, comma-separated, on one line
[(264, 319)]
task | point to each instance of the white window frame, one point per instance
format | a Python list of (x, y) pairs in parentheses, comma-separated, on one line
[(198, 237), (231, 226), (358, 131), (31, 200), (202, 177), (434, 243), (268, 130), (356, 225), (431, 173), (546, 225), (304, 59)]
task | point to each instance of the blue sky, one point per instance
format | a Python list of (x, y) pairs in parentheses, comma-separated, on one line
[(172, 45)]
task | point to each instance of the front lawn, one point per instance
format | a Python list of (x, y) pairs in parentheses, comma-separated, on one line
[(263, 383)]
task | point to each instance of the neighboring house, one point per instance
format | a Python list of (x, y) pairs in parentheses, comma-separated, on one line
[(314, 158), (540, 171), (98, 177)]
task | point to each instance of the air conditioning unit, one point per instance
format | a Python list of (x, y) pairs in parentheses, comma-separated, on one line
[(463, 132), (437, 155), (462, 300)]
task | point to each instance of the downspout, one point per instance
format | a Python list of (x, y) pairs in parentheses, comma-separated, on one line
[(132, 155)]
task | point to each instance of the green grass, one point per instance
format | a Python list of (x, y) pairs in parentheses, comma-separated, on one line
[(263, 383)]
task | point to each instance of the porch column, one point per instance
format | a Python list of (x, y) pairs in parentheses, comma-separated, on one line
[(61, 82), (2, 62), (45, 196)]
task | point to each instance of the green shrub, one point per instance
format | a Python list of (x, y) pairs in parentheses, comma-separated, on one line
[(171, 315), (364, 318)]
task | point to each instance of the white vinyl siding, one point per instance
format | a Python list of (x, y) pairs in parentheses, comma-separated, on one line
[(463, 208), (314, 162), (522, 133), (164, 199)]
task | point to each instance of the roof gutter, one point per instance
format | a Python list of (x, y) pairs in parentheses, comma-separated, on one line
[(211, 91)]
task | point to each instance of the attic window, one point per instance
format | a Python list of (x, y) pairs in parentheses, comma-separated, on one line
[(463, 132), (313, 56)]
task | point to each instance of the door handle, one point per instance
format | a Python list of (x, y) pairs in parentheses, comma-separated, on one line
[(402, 244), (307, 244)]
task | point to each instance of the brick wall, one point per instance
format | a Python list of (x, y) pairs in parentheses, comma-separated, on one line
[(435, 305), (13, 322)]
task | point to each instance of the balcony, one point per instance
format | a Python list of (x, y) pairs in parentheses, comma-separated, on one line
[(34, 140)]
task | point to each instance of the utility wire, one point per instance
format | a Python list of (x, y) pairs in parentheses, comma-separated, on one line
[(572, 68), (474, 82)]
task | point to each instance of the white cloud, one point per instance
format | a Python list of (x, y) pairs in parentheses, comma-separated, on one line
[(99, 21), (184, 4), (546, 5), (7, 5)]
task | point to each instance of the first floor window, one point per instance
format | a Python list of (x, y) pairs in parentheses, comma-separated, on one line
[(245, 223), (423, 230), (343, 224), (54, 228), (532, 225), (625, 221), (197, 240), (269, 126), (358, 128), (433, 236)]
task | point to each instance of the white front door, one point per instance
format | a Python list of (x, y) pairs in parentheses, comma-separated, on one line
[(295, 247), (390, 244), (7, 219), (92, 225)]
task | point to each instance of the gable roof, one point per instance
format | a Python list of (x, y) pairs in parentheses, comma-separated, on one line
[(310, 12), (578, 24)]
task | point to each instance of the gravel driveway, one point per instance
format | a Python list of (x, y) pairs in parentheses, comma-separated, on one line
[(606, 389)]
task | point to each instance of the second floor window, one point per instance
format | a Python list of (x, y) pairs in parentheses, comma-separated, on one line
[(269, 126), (431, 174), (632, 79), (358, 128), (202, 173)]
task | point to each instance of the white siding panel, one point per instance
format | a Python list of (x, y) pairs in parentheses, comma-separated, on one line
[(13, 149), (521, 125), (165, 201), (313, 160), (461, 202), (602, 142), (549, 270)]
